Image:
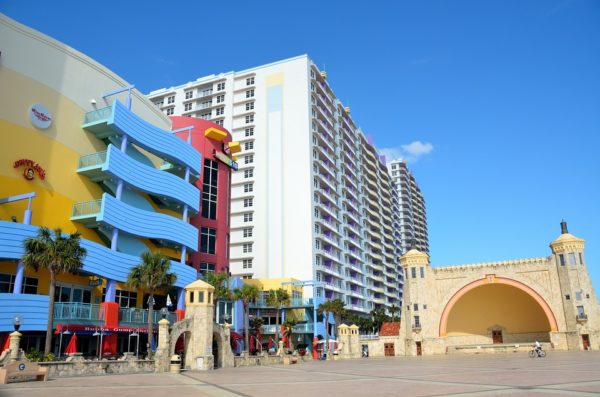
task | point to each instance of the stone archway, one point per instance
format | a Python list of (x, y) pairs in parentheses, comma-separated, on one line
[(492, 305)]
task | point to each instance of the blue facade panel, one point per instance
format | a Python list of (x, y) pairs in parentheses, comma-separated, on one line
[(32, 308), (155, 140), (100, 261), (150, 180), (148, 224)]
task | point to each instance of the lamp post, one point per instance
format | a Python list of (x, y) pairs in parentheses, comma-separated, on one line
[(163, 312), (137, 342), (100, 334), (226, 317), (17, 320), (60, 340)]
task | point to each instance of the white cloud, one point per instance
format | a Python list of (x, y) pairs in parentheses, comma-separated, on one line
[(410, 152)]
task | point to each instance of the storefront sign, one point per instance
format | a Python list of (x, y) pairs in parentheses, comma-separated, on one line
[(40, 116), (225, 159), (84, 329), (31, 167)]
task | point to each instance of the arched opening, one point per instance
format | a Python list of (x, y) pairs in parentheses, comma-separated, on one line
[(496, 310), (181, 347), (216, 351)]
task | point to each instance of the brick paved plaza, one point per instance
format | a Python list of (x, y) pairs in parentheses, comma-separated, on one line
[(559, 374)]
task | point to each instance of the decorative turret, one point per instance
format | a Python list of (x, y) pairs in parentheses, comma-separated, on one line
[(199, 304), (566, 242), (414, 257)]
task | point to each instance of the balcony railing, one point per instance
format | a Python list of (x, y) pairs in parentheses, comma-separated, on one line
[(298, 329), (416, 327), (139, 317), (78, 313), (87, 208), (90, 160), (295, 302), (97, 115), (582, 317)]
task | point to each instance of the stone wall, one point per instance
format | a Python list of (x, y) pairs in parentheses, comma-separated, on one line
[(58, 369)]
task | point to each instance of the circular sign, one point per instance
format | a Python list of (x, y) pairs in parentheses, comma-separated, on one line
[(40, 116), (21, 367)]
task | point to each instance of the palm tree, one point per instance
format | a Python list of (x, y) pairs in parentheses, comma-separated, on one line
[(338, 311), (288, 329), (277, 299), (325, 308), (57, 254), (151, 276), (220, 282), (393, 310), (247, 294)]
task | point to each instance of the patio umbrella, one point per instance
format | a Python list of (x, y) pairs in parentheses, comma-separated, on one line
[(270, 345), (6, 344), (72, 346)]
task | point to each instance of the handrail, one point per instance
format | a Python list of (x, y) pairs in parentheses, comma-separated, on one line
[(87, 208), (92, 159), (97, 115)]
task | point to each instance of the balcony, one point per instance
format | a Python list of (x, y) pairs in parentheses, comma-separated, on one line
[(116, 120), (100, 261), (294, 303), (78, 313), (307, 328), (114, 213), (134, 317), (171, 190), (582, 318), (416, 327)]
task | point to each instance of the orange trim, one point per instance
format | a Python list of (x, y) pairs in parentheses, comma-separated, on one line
[(492, 279)]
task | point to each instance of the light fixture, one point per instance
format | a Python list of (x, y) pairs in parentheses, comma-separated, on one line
[(96, 333), (93, 101), (17, 321), (164, 311), (67, 332), (134, 334)]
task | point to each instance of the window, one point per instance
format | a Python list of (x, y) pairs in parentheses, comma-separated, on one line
[(249, 118), (249, 145), (220, 98), (170, 111), (416, 307), (209, 189), (561, 258), (413, 272), (247, 202), (247, 248), (248, 173), (250, 94), (571, 257), (206, 267), (189, 94), (250, 81), (247, 264), (248, 187), (248, 159), (205, 116), (7, 284), (123, 298), (248, 217), (191, 296), (580, 259), (188, 106), (247, 277), (159, 103), (206, 92), (580, 311), (220, 111), (219, 122), (249, 105), (200, 296), (248, 232), (568, 297), (208, 238), (422, 271), (417, 321), (578, 295), (221, 86), (171, 99), (249, 132)]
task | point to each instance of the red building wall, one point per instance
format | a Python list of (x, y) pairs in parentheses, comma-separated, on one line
[(207, 148)]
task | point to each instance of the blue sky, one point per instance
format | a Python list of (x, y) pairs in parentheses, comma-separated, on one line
[(503, 97)]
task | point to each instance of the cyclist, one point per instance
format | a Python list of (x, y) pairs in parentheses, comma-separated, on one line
[(537, 347)]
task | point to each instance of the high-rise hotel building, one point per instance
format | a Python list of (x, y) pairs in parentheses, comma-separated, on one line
[(413, 217), (311, 199)]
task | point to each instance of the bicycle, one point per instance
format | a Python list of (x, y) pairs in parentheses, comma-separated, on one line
[(537, 352)]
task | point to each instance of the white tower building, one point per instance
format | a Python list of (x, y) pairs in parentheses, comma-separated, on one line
[(311, 199)]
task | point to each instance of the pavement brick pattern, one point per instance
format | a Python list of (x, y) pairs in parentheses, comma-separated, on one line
[(559, 374)]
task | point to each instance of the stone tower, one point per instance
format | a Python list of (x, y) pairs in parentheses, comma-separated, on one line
[(579, 301), (199, 304), (414, 322)]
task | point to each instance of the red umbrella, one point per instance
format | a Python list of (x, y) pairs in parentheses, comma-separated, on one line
[(72, 346), (6, 344), (270, 345)]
